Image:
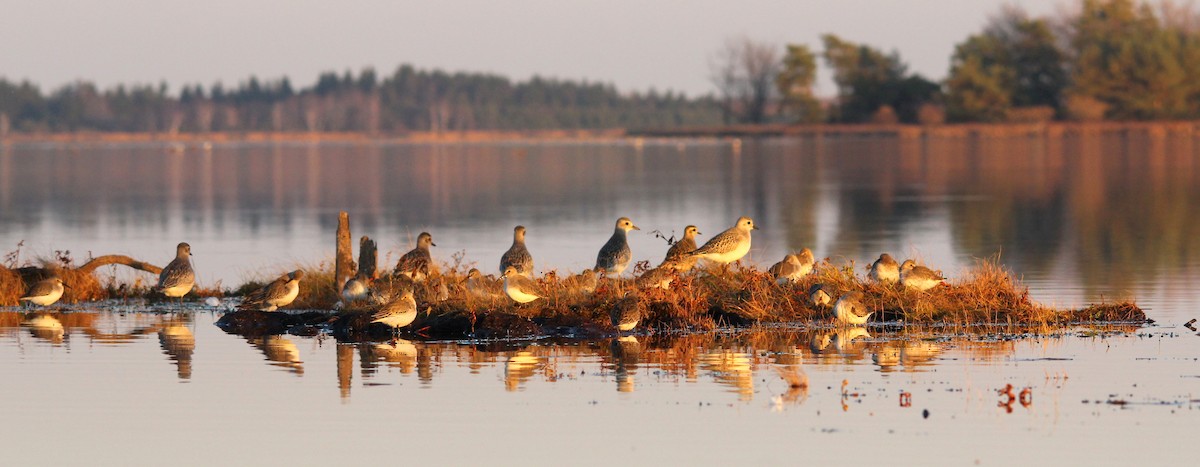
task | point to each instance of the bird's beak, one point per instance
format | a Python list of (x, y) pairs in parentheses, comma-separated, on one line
[(756, 227), (432, 244), (636, 228), (699, 232), (65, 285)]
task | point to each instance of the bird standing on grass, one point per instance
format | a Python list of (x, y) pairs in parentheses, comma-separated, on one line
[(517, 255), (614, 256), (397, 312), (519, 288), (818, 296), (919, 277), (45, 292), (730, 245), (357, 287), (793, 267), (849, 309), (280, 292), (884, 270), (677, 256), (177, 279), (416, 263)]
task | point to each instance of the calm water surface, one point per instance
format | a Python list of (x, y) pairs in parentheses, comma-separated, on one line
[(1079, 219)]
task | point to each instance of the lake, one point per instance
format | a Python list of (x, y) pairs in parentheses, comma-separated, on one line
[(1080, 219)]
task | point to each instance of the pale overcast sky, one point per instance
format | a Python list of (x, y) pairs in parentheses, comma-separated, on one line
[(635, 44)]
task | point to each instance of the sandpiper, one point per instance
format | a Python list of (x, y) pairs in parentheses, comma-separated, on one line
[(677, 256), (849, 309), (45, 292), (519, 288), (818, 296), (919, 277), (614, 256), (626, 313), (398, 312), (357, 287), (657, 278), (177, 279), (517, 255), (884, 269), (582, 283), (280, 292), (793, 267), (730, 245), (416, 263), (480, 286)]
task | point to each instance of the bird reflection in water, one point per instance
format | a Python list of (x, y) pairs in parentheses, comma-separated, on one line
[(178, 343), (520, 367), (626, 351), (732, 369), (797, 386), (46, 327), (400, 353), (280, 352)]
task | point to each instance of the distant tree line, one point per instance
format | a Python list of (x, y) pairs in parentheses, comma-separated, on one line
[(1109, 59), (408, 100)]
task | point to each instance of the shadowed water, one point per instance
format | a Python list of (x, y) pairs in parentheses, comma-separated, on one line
[(1078, 219)]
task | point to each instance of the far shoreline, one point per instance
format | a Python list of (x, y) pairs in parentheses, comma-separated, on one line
[(1155, 129)]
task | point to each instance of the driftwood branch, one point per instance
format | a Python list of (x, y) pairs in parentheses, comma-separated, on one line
[(368, 256), (106, 260)]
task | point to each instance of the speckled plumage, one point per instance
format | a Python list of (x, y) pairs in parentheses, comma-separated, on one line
[(397, 312), (730, 245), (818, 295), (517, 255), (177, 279), (280, 292), (657, 278), (793, 267), (519, 288), (614, 256), (416, 263), (677, 256), (626, 313)]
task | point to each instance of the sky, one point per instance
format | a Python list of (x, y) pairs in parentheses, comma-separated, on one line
[(634, 44)]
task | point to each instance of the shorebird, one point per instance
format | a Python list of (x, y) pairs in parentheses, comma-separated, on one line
[(357, 287), (919, 277), (45, 292), (177, 279), (398, 312), (280, 292), (626, 313), (884, 269), (657, 278), (793, 267), (614, 256), (849, 309), (519, 288), (517, 255), (582, 283), (730, 245), (416, 263), (677, 256), (818, 296), (480, 286)]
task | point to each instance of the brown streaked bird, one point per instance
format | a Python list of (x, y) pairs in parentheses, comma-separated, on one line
[(657, 278), (582, 283), (884, 270), (818, 295), (614, 256), (730, 245), (416, 263), (519, 288), (626, 313), (44, 292), (849, 309), (517, 255), (280, 292), (918, 277), (397, 312), (177, 279), (677, 256), (357, 287), (483, 287), (793, 267)]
